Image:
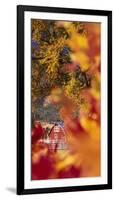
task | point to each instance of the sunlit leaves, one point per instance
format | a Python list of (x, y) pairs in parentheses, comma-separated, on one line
[(66, 75)]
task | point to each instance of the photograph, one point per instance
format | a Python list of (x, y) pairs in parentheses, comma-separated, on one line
[(65, 94)]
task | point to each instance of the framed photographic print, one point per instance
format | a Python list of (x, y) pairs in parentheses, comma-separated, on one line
[(64, 99)]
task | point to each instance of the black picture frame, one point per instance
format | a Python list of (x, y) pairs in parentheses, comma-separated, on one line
[(20, 99)]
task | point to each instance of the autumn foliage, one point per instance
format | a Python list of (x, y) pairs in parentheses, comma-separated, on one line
[(66, 75)]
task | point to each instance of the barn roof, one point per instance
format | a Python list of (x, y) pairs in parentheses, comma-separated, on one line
[(58, 126)]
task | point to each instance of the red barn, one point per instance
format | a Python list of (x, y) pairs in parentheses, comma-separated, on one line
[(57, 138)]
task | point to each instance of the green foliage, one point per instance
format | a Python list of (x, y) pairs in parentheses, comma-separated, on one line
[(46, 58), (50, 54)]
